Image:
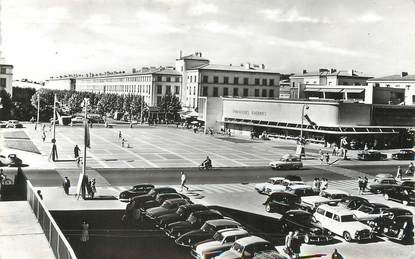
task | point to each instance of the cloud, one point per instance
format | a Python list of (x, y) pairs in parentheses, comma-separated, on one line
[(289, 16), (216, 27), (203, 8), (154, 22), (315, 45), (369, 17)]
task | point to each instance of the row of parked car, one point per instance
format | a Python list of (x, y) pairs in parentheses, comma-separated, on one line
[(206, 231), (11, 124), (337, 212)]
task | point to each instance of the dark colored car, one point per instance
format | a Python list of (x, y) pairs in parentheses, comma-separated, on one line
[(409, 183), (182, 213), (398, 225), (404, 154), (302, 191), (206, 231), (282, 202), (352, 202), (194, 221), (293, 178), (309, 227), (10, 160), (371, 155), (160, 198), (381, 185), (400, 194), (136, 190), (14, 124), (168, 206)]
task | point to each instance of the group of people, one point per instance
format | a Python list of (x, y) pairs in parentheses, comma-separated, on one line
[(90, 186), (409, 172), (293, 243), (324, 157), (320, 184), (123, 140), (362, 183)]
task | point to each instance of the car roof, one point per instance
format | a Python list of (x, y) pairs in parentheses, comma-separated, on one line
[(338, 210), (250, 240), (232, 231), (349, 198), (203, 212), (374, 204), (293, 178), (298, 212), (335, 191), (276, 178), (176, 200), (143, 185), (277, 194), (399, 211), (222, 222), (195, 206), (164, 188)]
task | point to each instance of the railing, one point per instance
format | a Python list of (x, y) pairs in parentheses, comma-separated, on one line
[(60, 246)]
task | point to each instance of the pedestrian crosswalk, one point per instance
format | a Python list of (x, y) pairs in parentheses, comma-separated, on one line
[(205, 189)]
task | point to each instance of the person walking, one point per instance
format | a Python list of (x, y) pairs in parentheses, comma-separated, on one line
[(296, 244), (84, 232), (336, 255), (43, 136), (76, 150), (365, 182), (183, 181), (399, 173), (89, 188), (93, 188), (66, 185), (324, 184), (322, 157), (122, 142), (411, 168), (119, 135), (360, 184), (327, 158), (288, 244)]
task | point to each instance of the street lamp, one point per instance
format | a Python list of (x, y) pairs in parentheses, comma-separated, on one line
[(305, 107), (301, 142)]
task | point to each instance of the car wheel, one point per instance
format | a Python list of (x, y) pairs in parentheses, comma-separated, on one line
[(8, 182), (378, 191), (386, 196), (268, 208), (405, 203), (307, 239), (347, 236)]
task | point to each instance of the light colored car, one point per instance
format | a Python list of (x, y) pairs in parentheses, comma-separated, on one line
[(77, 120), (247, 248), (287, 162), (310, 203), (278, 184), (222, 241), (371, 211), (342, 222), (14, 124)]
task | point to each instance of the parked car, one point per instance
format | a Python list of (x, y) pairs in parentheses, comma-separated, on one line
[(3, 124), (160, 198), (136, 190), (279, 184), (398, 225), (352, 202), (311, 230), (310, 203), (206, 231), (371, 155), (247, 248), (182, 213), (404, 154), (301, 190), (287, 162), (221, 241), (168, 206), (281, 202), (408, 183), (194, 221), (381, 185), (378, 177), (342, 222), (77, 119), (370, 211), (11, 160), (14, 124), (405, 195)]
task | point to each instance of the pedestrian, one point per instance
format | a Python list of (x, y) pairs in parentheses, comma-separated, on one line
[(84, 232), (360, 184), (66, 185), (89, 188), (93, 187), (327, 158), (122, 142), (324, 184), (39, 193), (252, 135), (334, 153), (76, 150), (399, 173), (183, 181), (336, 255), (119, 135), (43, 136), (411, 168), (288, 244), (229, 132), (296, 244), (322, 157), (316, 184), (365, 182)]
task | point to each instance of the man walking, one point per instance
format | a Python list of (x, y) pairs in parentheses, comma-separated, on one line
[(288, 244), (360, 184), (399, 173), (76, 150), (183, 181), (66, 185)]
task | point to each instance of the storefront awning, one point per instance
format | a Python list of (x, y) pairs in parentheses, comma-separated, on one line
[(353, 91), (326, 90)]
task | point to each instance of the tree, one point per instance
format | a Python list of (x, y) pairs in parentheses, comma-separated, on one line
[(170, 106), (136, 104), (6, 105), (75, 103)]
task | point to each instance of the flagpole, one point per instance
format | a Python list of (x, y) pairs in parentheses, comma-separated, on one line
[(85, 135), (54, 117), (38, 110)]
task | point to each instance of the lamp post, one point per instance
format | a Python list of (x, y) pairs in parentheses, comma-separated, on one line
[(305, 107), (38, 110), (300, 145)]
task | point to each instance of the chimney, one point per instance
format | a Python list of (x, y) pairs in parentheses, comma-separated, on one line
[(403, 74), (263, 66), (200, 54), (180, 54), (247, 65), (134, 70), (332, 70), (304, 71), (350, 72), (322, 70)]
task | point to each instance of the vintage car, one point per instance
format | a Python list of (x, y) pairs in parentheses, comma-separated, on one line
[(352, 202), (310, 203), (160, 198), (247, 248), (311, 230), (398, 225), (281, 202), (182, 213), (371, 155), (136, 190), (14, 124), (221, 241), (301, 190), (370, 211), (381, 185), (206, 231), (279, 184), (287, 162), (405, 195), (11, 160), (404, 154), (342, 222), (409, 184), (194, 221), (384, 176), (168, 206)]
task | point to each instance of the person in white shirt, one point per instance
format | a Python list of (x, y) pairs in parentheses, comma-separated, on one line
[(183, 181)]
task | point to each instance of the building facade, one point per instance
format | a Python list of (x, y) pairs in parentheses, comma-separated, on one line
[(404, 81), (6, 78)]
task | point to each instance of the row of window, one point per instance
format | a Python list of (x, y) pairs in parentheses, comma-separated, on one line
[(235, 92), (168, 89), (117, 79), (168, 79), (3, 70), (3, 82), (235, 80)]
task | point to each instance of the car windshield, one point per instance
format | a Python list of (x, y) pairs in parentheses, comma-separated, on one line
[(365, 209), (152, 192), (167, 205), (238, 248), (260, 248), (180, 211), (218, 236), (348, 218), (192, 219), (207, 227)]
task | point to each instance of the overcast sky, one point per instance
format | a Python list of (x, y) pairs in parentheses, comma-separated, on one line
[(51, 37)]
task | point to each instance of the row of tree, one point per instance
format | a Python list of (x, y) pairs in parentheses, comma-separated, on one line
[(23, 105)]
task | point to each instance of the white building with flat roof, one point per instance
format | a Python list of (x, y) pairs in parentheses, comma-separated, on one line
[(403, 81), (6, 78)]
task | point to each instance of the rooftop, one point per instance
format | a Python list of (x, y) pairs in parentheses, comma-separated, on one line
[(251, 69), (394, 78), (332, 72), (194, 56)]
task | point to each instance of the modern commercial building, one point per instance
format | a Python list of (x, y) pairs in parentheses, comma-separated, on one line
[(61, 83), (6, 78), (404, 81)]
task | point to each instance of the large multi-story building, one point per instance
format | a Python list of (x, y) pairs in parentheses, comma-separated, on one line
[(6, 78), (403, 81)]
